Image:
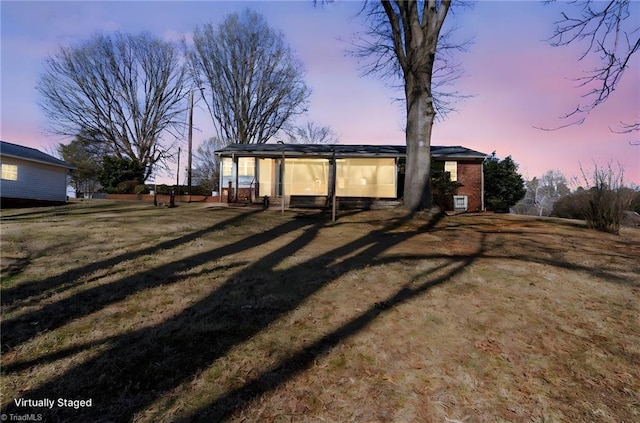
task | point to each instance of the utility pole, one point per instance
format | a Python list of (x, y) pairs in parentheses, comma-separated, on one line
[(190, 141), (178, 171), (172, 201)]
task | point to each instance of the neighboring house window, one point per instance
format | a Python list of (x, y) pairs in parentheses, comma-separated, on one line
[(452, 168), (246, 172), (246, 166), (9, 172), (227, 166)]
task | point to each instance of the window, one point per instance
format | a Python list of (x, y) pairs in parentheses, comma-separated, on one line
[(227, 166), (360, 177), (246, 166), (227, 172), (245, 169), (306, 177), (9, 172), (460, 202), (452, 168), (266, 175)]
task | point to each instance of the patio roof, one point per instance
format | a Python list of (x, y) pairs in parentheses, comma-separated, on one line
[(341, 150)]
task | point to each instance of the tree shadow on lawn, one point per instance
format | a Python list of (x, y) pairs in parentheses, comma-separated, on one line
[(53, 315), (138, 367), (519, 246), (304, 358), (533, 240), (85, 208), (12, 297), (135, 369), (13, 266)]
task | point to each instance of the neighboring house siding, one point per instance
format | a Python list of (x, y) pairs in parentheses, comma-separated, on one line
[(470, 176), (36, 181)]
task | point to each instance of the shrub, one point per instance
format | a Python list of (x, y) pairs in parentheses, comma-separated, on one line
[(443, 189), (117, 173), (141, 189), (198, 190), (635, 203), (497, 205), (164, 189), (182, 189), (607, 199), (572, 206), (605, 209), (126, 187)]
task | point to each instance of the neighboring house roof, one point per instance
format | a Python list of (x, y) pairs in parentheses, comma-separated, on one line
[(31, 154), (342, 150)]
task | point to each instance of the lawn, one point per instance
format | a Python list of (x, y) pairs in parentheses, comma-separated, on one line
[(206, 314)]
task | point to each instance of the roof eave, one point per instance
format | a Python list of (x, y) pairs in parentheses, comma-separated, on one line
[(66, 166), (460, 157)]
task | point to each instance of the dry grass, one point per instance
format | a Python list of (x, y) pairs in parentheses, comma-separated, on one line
[(203, 314)]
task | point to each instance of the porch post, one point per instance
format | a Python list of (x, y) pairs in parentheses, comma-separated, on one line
[(333, 188), (220, 167), (235, 168), (282, 179), (253, 194)]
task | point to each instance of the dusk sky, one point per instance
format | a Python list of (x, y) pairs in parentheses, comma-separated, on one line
[(517, 79)]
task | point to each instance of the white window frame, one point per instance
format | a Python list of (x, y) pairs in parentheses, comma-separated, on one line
[(9, 172)]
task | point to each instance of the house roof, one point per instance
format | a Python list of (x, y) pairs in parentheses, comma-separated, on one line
[(31, 154), (342, 150)]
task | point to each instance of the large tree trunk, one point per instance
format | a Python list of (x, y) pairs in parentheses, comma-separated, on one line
[(414, 29), (420, 117)]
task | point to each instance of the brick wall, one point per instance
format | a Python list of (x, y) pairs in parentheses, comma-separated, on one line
[(165, 198), (470, 175), (244, 195)]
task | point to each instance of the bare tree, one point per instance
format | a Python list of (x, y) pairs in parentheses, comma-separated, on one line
[(254, 79), (405, 40), (124, 91), (607, 29), (548, 189), (206, 168), (311, 133), (607, 198), (627, 128), (375, 49)]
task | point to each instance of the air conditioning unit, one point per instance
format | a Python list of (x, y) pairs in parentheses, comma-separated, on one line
[(460, 203)]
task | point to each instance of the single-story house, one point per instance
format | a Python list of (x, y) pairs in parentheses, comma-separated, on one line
[(31, 177), (325, 171)]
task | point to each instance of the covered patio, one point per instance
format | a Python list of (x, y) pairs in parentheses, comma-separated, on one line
[(321, 174)]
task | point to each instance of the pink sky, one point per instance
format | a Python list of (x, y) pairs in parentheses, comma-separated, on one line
[(517, 79)]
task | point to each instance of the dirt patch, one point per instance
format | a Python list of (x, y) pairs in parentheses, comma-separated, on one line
[(205, 314)]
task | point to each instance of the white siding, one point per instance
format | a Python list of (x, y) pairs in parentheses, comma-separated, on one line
[(36, 181)]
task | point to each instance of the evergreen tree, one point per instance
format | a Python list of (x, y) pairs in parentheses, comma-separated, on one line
[(503, 185), (81, 155), (119, 175)]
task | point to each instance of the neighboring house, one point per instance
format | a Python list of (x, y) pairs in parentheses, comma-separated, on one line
[(321, 171), (31, 177)]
